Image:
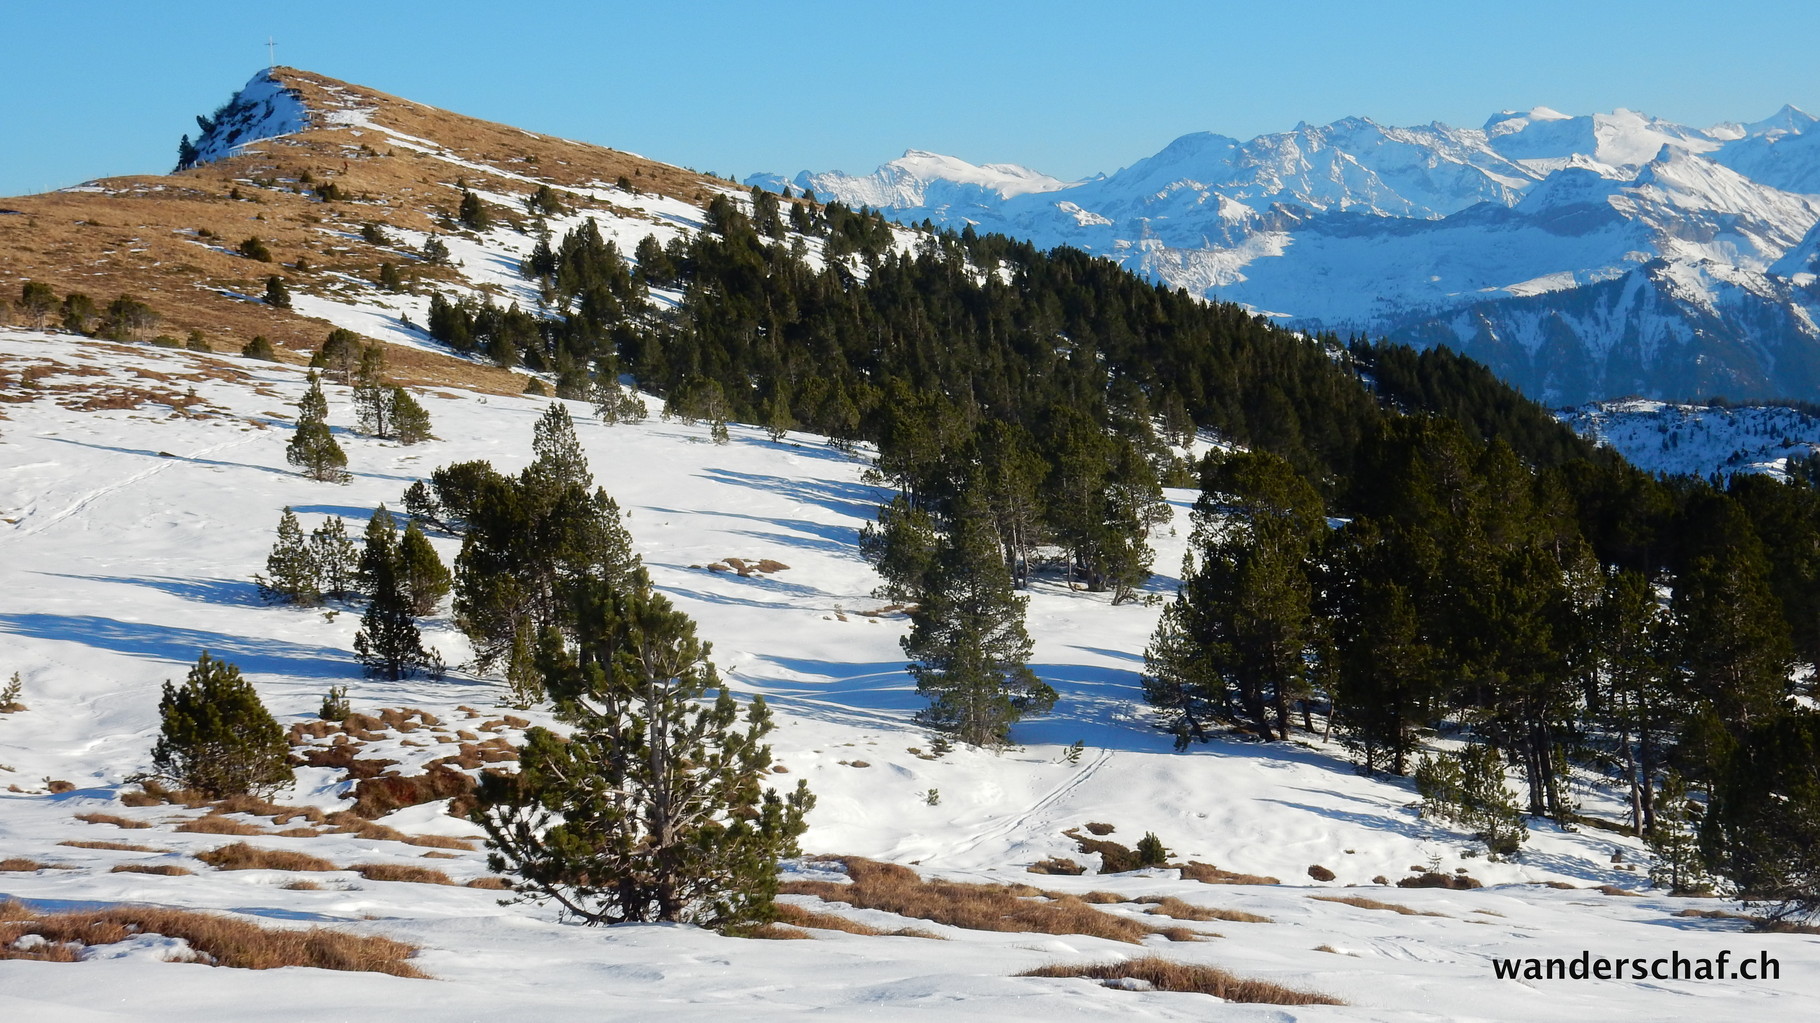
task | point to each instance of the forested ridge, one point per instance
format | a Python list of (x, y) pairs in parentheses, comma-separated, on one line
[(1392, 540)]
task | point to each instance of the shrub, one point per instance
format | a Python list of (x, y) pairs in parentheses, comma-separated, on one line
[(1150, 851), (1320, 873), (335, 704), (9, 696), (197, 343), (277, 294), (216, 737), (260, 348), (253, 248)]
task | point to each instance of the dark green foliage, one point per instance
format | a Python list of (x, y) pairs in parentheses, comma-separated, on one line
[(1150, 851), (968, 640), (313, 448), (216, 737), (410, 420), (378, 551), (339, 356), (79, 313), (614, 404), (1244, 618), (1469, 791), (254, 248), (652, 808), (902, 547), (333, 557), (374, 234), (435, 251), (528, 541), (36, 303), (473, 213), (126, 318), (545, 202), (290, 570), (422, 575), (389, 277), (335, 705), (1673, 840), (277, 294), (1762, 830), (388, 644), (261, 348), (186, 154)]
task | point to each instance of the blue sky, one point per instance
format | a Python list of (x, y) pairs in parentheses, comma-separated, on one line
[(1066, 87)]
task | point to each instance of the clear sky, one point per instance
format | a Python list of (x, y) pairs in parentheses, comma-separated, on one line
[(1067, 87)]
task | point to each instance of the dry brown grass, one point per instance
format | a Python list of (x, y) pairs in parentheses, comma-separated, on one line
[(790, 913), (1364, 903), (1169, 905), (1612, 889), (108, 818), (778, 932), (980, 907), (497, 884), (1431, 879), (167, 869), (217, 825), (116, 846), (1165, 975), (376, 797), (301, 886), (241, 856), (400, 872), (1207, 873), (1056, 865), (221, 940), (23, 865), (1320, 873), (348, 823)]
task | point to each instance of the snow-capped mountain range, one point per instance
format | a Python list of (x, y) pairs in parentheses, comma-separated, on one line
[(1582, 257)]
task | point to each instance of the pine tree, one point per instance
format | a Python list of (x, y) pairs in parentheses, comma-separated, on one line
[(333, 556), (653, 807), (423, 576), (388, 644), (290, 570), (473, 213), (313, 448), (217, 738), (410, 420), (968, 640), (378, 552), (277, 295)]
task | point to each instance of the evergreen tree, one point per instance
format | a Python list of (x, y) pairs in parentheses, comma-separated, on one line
[(968, 640), (388, 644), (652, 808), (1762, 830), (333, 556), (313, 448), (217, 738), (423, 577), (473, 213), (277, 294), (410, 420), (340, 355), (79, 313), (290, 570), (378, 551)]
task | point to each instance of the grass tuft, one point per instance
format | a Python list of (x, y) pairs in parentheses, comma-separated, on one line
[(1364, 903), (221, 940), (167, 869), (980, 907), (1169, 905), (108, 818), (1165, 975), (241, 856)]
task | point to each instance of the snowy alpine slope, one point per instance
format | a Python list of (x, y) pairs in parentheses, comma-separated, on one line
[(128, 540)]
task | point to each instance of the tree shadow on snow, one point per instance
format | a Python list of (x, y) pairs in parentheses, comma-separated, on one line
[(857, 500), (235, 592), (181, 646)]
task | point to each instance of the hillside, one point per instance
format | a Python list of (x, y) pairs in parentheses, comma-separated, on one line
[(1581, 257), (142, 485)]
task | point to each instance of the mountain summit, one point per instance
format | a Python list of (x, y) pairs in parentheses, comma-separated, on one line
[(1581, 256)]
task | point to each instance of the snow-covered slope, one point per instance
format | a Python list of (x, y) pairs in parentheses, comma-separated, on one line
[(1422, 233), (264, 108), (142, 488), (1699, 440)]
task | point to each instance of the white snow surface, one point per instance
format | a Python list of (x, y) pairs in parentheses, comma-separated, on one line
[(262, 109), (1356, 226), (128, 539)]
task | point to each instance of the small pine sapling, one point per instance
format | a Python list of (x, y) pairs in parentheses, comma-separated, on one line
[(335, 705), (1150, 851), (334, 558), (9, 696), (217, 738), (425, 579)]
